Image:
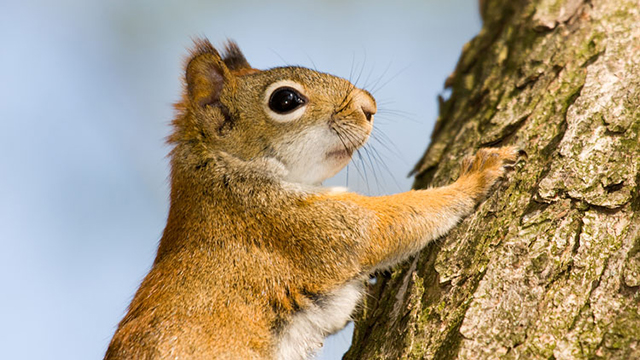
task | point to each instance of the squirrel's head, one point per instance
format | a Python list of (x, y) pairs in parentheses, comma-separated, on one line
[(312, 122)]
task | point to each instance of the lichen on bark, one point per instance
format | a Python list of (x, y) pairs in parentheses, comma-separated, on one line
[(549, 265)]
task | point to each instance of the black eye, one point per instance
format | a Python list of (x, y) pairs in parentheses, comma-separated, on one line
[(285, 99)]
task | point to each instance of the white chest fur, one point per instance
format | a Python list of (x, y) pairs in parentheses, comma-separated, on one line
[(308, 328)]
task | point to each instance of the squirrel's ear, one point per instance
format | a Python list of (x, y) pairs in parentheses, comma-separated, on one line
[(234, 58), (206, 74)]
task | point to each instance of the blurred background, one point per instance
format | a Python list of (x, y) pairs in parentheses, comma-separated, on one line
[(86, 89)]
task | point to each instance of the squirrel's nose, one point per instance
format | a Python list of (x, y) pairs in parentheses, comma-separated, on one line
[(366, 102)]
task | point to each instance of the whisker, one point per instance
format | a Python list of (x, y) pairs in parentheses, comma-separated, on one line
[(389, 115), (281, 58), (312, 63), (353, 61), (381, 162), (360, 73), (374, 86), (342, 140), (364, 169), (382, 107), (347, 178), (392, 78), (350, 133), (366, 81), (386, 142), (373, 167), (346, 136)]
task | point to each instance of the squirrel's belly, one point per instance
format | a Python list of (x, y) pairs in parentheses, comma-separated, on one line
[(308, 328)]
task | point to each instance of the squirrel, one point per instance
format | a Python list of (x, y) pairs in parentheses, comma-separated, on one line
[(258, 260)]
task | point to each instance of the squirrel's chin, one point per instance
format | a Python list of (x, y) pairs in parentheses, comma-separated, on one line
[(320, 171), (337, 162)]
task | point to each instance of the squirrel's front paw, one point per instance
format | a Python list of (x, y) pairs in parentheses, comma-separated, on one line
[(481, 171)]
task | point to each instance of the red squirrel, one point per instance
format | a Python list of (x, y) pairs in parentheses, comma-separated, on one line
[(257, 260)]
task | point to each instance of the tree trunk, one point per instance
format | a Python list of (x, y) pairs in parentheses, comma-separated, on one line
[(549, 265)]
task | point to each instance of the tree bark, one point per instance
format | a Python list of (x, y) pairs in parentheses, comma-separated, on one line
[(549, 265)]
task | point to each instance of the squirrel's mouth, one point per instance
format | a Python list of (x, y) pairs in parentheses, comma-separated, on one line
[(340, 153)]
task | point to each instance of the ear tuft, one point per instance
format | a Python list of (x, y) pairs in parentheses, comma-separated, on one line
[(234, 58), (206, 74), (203, 46)]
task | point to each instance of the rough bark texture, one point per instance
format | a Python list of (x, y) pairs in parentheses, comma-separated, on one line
[(549, 266)]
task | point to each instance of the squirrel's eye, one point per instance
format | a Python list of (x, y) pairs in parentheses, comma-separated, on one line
[(285, 99)]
